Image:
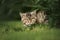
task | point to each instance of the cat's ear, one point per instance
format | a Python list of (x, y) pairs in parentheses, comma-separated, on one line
[(34, 11), (20, 14)]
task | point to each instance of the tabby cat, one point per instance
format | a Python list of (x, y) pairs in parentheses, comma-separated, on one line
[(33, 17)]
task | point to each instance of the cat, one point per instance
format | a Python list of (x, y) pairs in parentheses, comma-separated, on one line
[(30, 18)]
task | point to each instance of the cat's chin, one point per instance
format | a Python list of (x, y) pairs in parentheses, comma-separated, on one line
[(27, 25)]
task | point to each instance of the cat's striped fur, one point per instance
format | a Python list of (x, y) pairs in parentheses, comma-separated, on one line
[(32, 17)]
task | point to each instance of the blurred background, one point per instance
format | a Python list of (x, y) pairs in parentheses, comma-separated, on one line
[(10, 20), (10, 9)]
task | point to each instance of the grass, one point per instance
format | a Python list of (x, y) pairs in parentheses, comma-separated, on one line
[(14, 30)]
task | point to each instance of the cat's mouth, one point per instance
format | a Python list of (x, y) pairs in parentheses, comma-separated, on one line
[(27, 25)]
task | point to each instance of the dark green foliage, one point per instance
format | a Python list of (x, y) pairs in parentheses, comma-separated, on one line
[(9, 9)]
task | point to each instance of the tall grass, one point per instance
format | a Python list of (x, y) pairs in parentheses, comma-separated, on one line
[(14, 30)]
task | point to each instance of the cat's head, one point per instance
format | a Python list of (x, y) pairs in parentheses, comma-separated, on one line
[(28, 18)]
